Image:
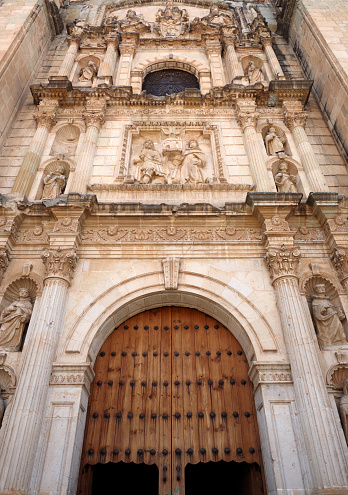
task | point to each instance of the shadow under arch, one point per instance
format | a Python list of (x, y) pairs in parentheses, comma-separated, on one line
[(120, 302)]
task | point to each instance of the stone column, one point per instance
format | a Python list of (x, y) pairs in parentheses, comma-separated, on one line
[(272, 58), (94, 119), (20, 436), (328, 465), (69, 59), (233, 66), (45, 118), (108, 65), (295, 119), (247, 119)]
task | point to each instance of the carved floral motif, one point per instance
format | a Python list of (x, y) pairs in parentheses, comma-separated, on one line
[(283, 261), (36, 235), (309, 234), (66, 224), (59, 262), (277, 224)]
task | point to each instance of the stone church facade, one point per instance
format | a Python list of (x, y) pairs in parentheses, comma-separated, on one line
[(174, 245)]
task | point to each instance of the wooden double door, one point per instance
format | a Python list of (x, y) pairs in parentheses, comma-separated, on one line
[(171, 389)]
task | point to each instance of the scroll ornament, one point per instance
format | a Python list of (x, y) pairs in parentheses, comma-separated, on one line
[(283, 261), (60, 263)]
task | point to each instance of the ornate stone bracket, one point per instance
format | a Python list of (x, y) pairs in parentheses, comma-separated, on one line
[(262, 373), (60, 263), (171, 267)]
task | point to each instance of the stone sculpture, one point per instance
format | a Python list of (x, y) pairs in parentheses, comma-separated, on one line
[(327, 319), (253, 73), (13, 320), (285, 182), (171, 22), (216, 18), (54, 183), (87, 73), (133, 22), (149, 164), (344, 408), (193, 163), (273, 142)]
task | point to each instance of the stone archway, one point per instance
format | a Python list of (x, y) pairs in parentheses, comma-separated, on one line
[(171, 388)]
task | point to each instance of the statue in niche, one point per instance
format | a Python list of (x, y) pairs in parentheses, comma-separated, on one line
[(273, 142), (13, 320), (344, 408), (54, 183), (2, 409), (253, 73), (149, 164), (133, 23), (285, 182), (87, 73), (327, 319), (192, 165), (171, 22)]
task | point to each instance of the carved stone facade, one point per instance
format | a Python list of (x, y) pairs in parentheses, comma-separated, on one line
[(226, 192)]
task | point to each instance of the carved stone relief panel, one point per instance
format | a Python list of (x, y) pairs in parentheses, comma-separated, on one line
[(171, 153)]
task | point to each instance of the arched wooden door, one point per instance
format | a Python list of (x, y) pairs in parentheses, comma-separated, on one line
[(171, 387)]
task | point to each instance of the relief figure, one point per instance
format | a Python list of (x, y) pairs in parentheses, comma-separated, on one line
[(274, 143), (285, 182), (54, 183), (327, 319), (13, 320), (149, 164), (193, 164)]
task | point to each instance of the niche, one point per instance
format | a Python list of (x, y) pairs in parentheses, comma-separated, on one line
[(65, 141), (86, 71), (275, 141), (254, 70), (54, 179)]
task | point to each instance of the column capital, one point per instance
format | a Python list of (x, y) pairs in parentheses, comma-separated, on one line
[(94, 119), (339, 258), (112, 39), (295, 119), (60, 263), (283, 261), (266, 41), (247, 119), (45, 119), (73, 40)]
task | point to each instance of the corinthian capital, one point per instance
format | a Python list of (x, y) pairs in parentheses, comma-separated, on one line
[(45, 119), (73, 39), (4, 261), (247, 119), (294, 119), (95, 119), (283, 261), (59, 263), (340, 259)]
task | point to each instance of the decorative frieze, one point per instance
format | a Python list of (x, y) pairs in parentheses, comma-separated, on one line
[(72, 375), (276, 224), (67, 224), (37, 235), (262, 373), (59, 263)]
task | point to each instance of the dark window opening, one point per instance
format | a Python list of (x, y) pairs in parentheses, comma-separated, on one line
[(169, 81), (237, 478), (135, 478)]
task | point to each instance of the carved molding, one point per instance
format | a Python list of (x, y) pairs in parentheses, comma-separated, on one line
[(171, 234), (171, 267), (72, 375), (282, 261), (262, 373), (60, 263), (225, 186)]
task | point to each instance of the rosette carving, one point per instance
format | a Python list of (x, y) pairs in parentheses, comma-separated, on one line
[(60, 263), (283, 261)]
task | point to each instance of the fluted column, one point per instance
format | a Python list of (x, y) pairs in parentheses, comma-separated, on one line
[(20, 435), (296, 119), (108, 65), (272, 58), (328, 465), (247, 119), (233, 66), (70, 57), (45, 118), (94, 120)]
